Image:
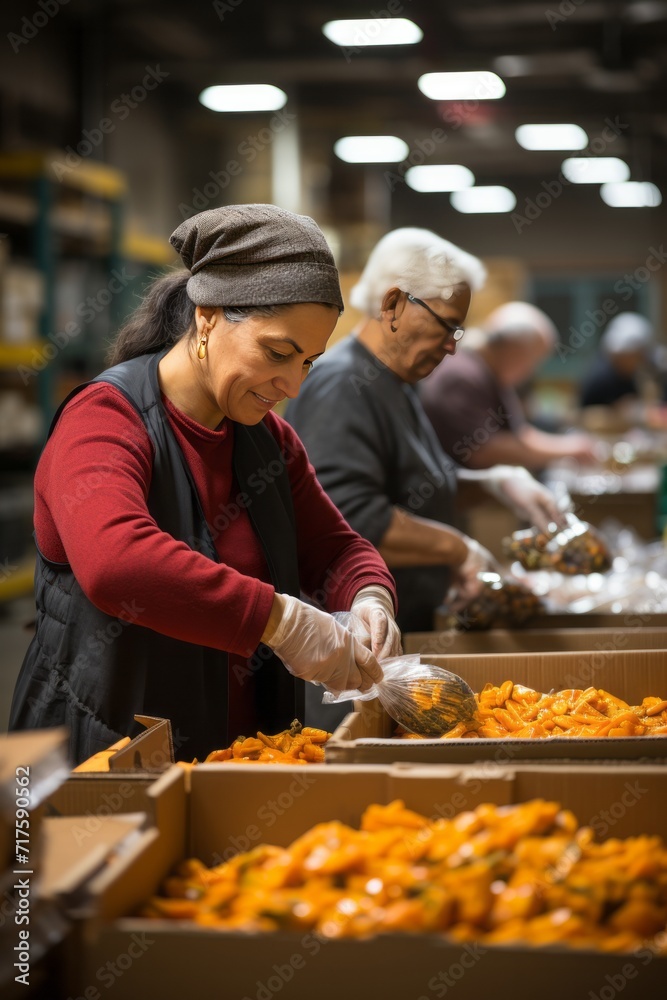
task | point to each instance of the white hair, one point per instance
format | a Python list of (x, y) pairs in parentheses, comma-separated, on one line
[(627, 333), (416, 261), (519, 321)]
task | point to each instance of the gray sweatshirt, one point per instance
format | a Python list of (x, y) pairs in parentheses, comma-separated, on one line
[(373, 448)]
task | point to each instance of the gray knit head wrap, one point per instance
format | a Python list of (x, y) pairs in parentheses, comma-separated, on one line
[(256, 255)]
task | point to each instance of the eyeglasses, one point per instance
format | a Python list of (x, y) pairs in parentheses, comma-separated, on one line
[(455, 332)]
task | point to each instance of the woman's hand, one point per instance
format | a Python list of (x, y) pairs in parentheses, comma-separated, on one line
[(375, 607), (313, 646)]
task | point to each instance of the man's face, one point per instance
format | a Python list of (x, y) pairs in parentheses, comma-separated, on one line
[(517, 360), (421, 341)]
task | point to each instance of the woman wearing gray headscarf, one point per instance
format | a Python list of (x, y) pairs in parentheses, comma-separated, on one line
[(178, 520)]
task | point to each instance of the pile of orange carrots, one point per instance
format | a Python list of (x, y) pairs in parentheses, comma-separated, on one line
[(296, 745), (525, 873), (512, 710)]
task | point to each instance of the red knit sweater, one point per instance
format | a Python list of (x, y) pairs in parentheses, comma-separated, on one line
[(91, 490)]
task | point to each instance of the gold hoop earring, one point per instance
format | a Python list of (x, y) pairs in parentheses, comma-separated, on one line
[(201, 348)]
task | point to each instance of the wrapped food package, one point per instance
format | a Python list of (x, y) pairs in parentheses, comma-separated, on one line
[(573, 549)]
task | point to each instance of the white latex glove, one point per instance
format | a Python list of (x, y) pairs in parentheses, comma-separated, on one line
[(313, 646), (375, 607), (514, 487), (465, 583)]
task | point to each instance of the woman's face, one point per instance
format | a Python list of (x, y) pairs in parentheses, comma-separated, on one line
[(252, 365)]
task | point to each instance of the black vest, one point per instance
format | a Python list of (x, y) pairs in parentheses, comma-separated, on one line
[(93, 672)]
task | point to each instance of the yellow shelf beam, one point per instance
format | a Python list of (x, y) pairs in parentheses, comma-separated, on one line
[(85, 175), (19, 582), (148, 249), (12, 355)]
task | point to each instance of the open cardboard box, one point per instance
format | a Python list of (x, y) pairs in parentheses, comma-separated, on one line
[(89, 799), (32, 764), (34, 761), (570, 619), (123, 956), (151, 750), (30, 959), (365, 736), (546, 640)]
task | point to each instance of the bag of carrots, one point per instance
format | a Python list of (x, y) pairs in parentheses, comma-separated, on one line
[(422, 698)]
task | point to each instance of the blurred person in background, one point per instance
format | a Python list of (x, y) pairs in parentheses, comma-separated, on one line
[(178, 520), (625, 351), (372, 446), (472, 399)]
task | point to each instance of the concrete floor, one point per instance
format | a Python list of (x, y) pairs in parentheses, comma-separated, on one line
[(14, 640)]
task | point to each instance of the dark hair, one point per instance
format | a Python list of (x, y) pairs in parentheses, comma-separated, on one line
[(166, 315)]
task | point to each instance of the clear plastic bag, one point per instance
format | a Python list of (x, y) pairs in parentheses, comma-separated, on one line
[(422, 698), (576, 548), (502, 603)]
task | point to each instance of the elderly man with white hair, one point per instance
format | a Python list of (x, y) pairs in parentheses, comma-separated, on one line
[(372, 446), (472, 402), (624, 351)]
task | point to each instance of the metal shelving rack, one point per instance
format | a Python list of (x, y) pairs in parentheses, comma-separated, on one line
[(46, 208)]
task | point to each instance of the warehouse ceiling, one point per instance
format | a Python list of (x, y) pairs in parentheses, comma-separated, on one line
[(574, 60)]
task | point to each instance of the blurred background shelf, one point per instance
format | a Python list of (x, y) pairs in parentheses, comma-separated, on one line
[(18, 582)]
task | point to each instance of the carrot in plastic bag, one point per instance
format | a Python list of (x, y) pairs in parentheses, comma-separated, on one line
[(421, 697)]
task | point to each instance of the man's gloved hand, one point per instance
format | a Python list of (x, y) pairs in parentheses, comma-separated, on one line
[(514, 487), (375, 607), (313, 646), (465, 583)]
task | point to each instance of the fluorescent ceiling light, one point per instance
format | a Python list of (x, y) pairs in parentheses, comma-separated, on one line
[(478, 86), (595, 169), (439, 177), (373, 31), (551, 137), (371, 149), (631, 194), (243, 97), (483, 199)]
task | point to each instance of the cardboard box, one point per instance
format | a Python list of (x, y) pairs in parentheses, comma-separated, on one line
[(565, 619), (90, 799), (152, 750), (365, 736), (31, 952), (32, 764), (450, 642), (36, 761), (125, 957)]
